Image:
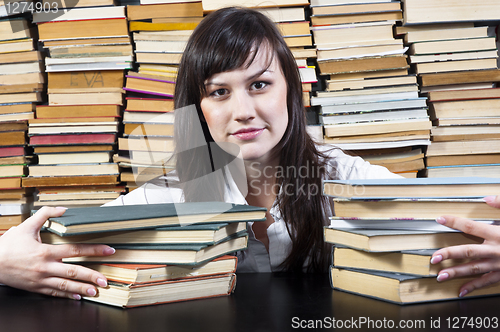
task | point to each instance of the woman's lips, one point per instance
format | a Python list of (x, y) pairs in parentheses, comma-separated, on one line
[(248, 134)]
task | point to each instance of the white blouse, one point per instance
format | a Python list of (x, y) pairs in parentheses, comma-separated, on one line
[(256, 258)]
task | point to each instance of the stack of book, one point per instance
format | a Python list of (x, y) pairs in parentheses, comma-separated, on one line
[(74, 145), (370, 105), (385, 233), (160, 33), (457, 67), (147, 147), (21, 86), (91, 38), (75, 134), (164, 252)]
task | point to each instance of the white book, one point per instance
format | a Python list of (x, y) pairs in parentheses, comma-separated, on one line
[(374, 116), (347, 100), (375, 106)]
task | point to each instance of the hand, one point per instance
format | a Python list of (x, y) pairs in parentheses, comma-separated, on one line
[(29, 264), (485, 257)]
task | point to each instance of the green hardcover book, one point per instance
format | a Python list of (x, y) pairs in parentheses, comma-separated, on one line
[(402, 288), (132, 217), (179, 254), (382, 240), (199, 234)]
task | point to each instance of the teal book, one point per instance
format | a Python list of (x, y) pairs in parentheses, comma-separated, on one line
[(132, 217), (193, 234), (176, 254), (402, 288), (383, 240), (448, 187)]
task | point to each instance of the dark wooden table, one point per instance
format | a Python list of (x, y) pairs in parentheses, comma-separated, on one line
[(261, 302)]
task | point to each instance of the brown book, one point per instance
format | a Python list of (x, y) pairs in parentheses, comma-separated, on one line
[(83, 29), (149, 144), (185, 9), (77, 111), (13, 126), (449, 95), (461, 65), (404, 29), (22, 78), (357, 18), (356, 8), (87, 41), (151, 105), (349, 33), (463, 160), (12, 138), (454, 45), (364, 64), (85, 81), (163, 58), (444, 34), (93, 98), (15, 193), (83, 180), (7, 222), (16, 57), (465, 108), (17, 108), (138, 129), (294, 28), (463, 148), (10, 183), (21, 88), (20, 97), (71, 148), (157, 87), (461, 133), (472, 76)]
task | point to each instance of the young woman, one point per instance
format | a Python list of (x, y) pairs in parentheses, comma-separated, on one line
[(240, 137)]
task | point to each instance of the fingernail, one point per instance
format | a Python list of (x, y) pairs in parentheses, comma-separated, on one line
[(109, 251), (440, 220), (77, 296), (91, 292), (443, 276), (489, 199), (436, 259), (463, 293), (101, 282), (61, 208)]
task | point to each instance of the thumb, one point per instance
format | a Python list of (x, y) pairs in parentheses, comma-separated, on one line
[(493, 201), (36, 221)]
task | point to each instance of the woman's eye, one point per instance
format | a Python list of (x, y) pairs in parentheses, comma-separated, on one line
[(218, 92), (259, 85)]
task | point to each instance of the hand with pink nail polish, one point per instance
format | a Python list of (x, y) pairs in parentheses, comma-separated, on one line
[(485, 256), (29, 264)]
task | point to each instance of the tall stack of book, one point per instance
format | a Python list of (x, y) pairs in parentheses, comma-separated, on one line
[(160, 32), (21, 86), (370, 105), (457, 67), (164, 252), (75, 134), (385, 233)]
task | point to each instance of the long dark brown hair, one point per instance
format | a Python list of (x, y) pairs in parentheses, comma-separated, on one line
[(226, 40)]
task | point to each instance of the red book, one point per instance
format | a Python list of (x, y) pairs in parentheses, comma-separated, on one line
[(12, 151), (72, 139)]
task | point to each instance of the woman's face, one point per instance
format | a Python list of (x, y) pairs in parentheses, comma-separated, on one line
[(248, 106)]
